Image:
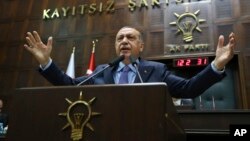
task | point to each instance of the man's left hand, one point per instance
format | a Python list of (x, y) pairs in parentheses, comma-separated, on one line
[(224, 53)]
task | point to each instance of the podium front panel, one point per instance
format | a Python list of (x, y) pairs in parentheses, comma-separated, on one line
[(126, 113)]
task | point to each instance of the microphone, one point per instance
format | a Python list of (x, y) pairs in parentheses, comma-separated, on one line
[(134, 63), (111, 64), (116, 61)]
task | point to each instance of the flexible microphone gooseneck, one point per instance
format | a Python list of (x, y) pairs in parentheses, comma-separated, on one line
[(134, 63), (111, 64)]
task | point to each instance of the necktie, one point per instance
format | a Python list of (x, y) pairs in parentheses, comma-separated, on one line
[(124, 75)]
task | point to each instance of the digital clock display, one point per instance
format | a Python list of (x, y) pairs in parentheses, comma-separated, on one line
[(188, 62)]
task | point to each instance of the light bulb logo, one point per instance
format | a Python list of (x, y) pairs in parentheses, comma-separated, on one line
[(187, 23), (78, 115)]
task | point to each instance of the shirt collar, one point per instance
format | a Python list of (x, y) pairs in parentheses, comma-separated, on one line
[(122, 65)]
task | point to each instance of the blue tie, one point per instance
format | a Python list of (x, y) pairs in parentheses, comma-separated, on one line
[(124, 75)]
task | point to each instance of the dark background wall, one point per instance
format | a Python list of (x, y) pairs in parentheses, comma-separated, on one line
[(18, 67)]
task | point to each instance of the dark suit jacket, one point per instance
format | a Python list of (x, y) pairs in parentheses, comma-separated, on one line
[(150, 72), (4, 119)]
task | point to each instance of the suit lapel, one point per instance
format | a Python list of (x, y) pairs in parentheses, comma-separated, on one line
[(108, 76), (145, 72)]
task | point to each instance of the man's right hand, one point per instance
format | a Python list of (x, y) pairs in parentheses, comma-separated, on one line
[(37, 48)]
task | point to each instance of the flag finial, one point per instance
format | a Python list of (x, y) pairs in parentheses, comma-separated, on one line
[(94, 45)]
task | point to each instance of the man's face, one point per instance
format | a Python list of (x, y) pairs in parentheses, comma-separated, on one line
[(128, 43)]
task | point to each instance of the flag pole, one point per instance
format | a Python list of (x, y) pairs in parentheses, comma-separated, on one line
[(71, 65), (92, 59), (73, 50)]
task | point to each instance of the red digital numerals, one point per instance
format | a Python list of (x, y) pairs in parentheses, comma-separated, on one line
[(191, 62)]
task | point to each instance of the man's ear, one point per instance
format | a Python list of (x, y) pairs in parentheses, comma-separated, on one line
[(142, 46)]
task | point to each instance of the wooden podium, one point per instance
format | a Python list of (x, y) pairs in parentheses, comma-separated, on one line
[(133, 112)]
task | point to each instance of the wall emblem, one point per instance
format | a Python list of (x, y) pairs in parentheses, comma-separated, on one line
[(78, 115), (187, 23)]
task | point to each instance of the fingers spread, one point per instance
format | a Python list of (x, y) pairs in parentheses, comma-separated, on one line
[(29, 41), (231, 35), (232, 41), (28, 47), (37, 37), (232, 38), (31, 37), (50, 40), (221, 41), (25, 45)]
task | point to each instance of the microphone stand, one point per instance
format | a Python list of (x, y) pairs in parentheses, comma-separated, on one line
[(134, 63), (137, 71), (111, 64), (93, 75)]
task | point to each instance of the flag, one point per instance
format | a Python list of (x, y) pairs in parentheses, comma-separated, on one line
[(92, 60), (71, 66)]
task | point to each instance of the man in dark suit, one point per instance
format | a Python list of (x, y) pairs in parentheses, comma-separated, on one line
[(3, 118), (129, 43)]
